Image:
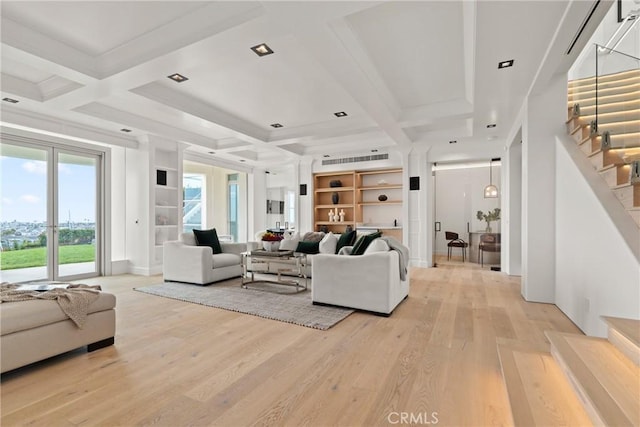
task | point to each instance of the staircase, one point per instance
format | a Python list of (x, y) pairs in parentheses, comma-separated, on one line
[(613, 144), (581, 381)]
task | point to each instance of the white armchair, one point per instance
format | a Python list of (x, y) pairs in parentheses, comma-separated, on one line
[(368, 282), (184, 261)]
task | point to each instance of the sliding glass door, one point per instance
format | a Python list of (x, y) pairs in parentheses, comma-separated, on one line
[(50, 218)]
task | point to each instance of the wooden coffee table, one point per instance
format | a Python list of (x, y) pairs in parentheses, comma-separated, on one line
[(293, 274)]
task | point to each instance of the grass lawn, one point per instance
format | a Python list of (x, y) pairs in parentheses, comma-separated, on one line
[(37, 257)]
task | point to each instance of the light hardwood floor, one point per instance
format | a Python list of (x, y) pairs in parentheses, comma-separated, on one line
[(179, 364)]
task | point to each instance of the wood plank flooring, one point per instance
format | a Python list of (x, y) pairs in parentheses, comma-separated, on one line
[(179, 364)]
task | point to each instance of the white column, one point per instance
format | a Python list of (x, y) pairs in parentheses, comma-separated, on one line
[(544, 118)]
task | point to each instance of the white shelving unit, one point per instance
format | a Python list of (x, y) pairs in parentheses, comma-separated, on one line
[(167, 203)]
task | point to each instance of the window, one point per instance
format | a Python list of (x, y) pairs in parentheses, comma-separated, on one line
[(193, 201)]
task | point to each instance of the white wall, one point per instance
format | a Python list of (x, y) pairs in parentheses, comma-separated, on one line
[(585, 64), (596, 272)]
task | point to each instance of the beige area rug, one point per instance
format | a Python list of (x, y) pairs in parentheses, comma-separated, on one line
[(270, 301)]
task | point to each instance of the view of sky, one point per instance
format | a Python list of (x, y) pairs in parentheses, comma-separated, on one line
[(23, 189)]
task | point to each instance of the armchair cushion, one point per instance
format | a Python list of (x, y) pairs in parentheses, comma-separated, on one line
[(208, 238)]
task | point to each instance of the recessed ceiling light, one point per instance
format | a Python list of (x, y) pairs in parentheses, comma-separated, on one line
[(125, 130), (212, 152), (453, 141), (179, 78), (340, 114), (276, 125), (11, 100), (374, 151), (325, 155), (242, 160), (262, 49), (505, 64), (492, 125)]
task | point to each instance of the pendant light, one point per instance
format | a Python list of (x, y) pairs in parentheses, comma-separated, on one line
[(490, 191)]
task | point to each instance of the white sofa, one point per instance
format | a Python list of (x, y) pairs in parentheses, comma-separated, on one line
[(369, 282), (185, 261)]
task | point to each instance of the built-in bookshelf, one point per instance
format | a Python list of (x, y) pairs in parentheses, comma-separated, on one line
[(330, 199), (369, 199)]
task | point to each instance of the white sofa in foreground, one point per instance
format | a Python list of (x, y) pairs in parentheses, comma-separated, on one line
[(368, 282), (184, 261)]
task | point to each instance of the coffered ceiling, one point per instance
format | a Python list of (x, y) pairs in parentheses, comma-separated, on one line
[(406, 73)]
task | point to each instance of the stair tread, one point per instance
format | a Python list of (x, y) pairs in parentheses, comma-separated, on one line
[(538, 393), (606, 380), (630, 328), (624, 74), (625, 185)]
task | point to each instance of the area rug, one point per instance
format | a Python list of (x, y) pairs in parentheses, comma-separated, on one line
[(261, 299)]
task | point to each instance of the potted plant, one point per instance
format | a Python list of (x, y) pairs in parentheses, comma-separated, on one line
[(493, 215), (271, 241)]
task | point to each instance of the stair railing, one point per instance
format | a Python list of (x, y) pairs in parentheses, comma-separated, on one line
[(617, 102)]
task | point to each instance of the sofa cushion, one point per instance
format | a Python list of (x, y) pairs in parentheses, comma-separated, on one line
[(328, 244), (208, 238), (363, 242), (308, 247), (378, 245), (290, 242), (188, 239), (226, 260), (313, 236), (22, 315), (347, 238)]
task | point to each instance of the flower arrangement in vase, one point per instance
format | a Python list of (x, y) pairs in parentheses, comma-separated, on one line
[(490, 216), (271, 241)]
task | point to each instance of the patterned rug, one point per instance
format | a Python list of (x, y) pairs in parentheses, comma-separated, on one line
[(261, 299)]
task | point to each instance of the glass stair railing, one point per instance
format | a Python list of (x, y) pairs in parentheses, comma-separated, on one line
[(604, 118)]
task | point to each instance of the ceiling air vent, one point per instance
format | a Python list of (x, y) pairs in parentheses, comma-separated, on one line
[(355, 159)]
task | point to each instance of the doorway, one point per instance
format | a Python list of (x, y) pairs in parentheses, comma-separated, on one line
[(458, 197), (51, 212)]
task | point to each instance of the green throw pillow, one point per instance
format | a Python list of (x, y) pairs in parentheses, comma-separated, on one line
[(208, 238), (346, 239), (308, 247), (363, 242)]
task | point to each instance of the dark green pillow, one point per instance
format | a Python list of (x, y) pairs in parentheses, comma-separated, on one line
[(308, 247), (364, 242), (347, 238), (208, 238)]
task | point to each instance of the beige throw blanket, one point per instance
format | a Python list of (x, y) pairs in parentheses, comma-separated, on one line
[(74, 301)]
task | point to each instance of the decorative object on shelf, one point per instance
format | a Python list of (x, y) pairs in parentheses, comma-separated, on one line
[(490, 216), (162, 220), (331, 215), (335, 183), (161, 177), (382, 197), (341, 215), (348, 229), (382, 182), (335, 198), (490, 191), (324, 229), (271, 241)]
